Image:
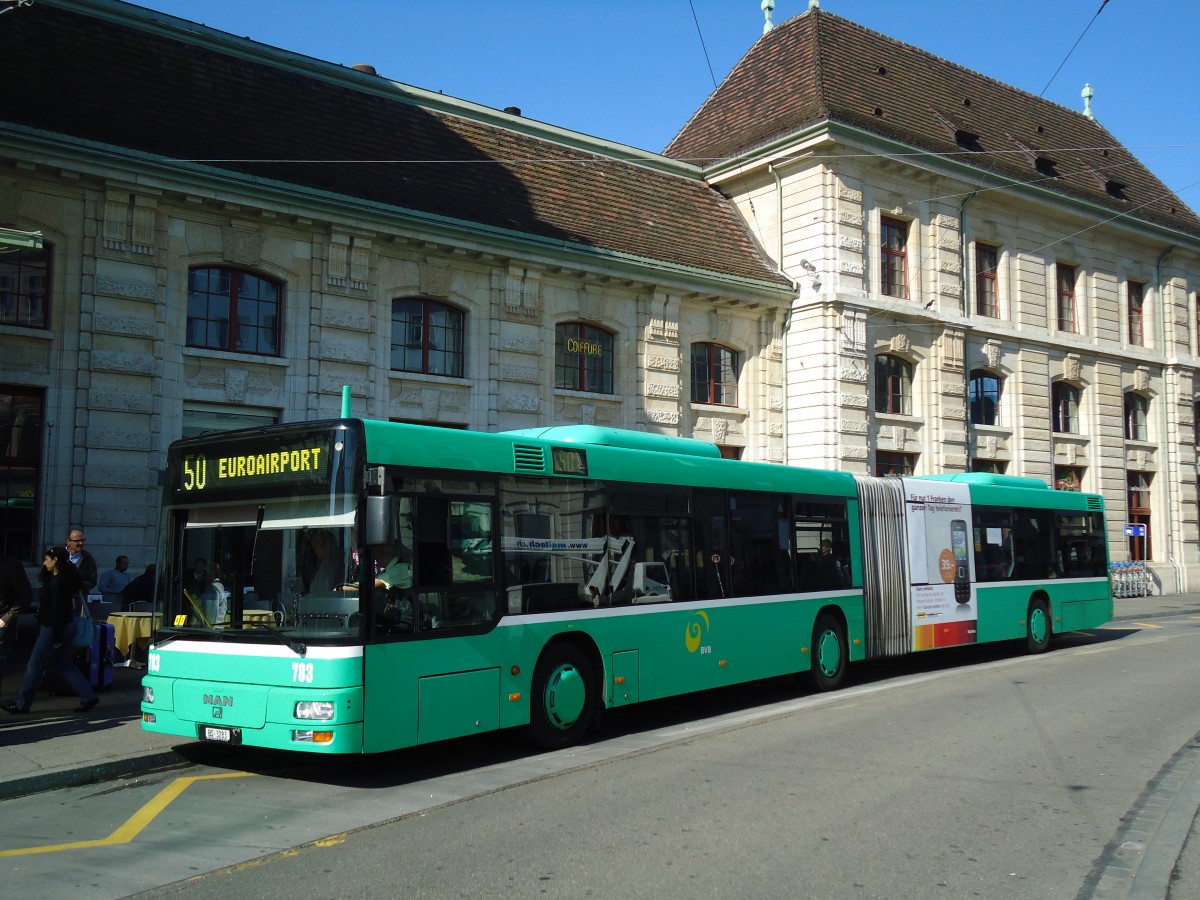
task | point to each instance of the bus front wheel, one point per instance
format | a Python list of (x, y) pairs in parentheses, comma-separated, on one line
[(829, 653), (563, 701), (1037, 627)]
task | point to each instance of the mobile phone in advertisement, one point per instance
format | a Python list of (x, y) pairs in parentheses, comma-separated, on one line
[(958, 543)]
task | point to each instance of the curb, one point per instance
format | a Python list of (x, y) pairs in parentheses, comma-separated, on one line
[(92, 773), (1159, 614)]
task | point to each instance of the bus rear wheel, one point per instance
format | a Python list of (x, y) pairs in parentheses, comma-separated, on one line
[(829, 653), (1037, 627), (563, 704)]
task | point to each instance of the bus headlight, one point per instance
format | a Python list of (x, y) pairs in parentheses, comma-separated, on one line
[(147, 694), (320, 710)]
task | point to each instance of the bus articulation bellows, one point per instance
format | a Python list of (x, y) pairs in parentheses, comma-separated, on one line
[(354, 586)]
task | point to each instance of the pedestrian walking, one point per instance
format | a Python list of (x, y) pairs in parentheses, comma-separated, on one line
[(57, 608), (15, 596)]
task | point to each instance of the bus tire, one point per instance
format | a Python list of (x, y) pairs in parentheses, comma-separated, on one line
[(1038, 629), (829, 653), (562, 705)]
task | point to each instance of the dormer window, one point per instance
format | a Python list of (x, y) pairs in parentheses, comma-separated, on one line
[(967, 141), (1115, 189), (1046, 166)]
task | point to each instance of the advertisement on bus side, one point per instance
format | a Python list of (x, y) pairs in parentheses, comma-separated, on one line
[(941, 564)]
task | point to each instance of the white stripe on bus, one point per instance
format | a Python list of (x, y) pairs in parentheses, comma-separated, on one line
[(514, 620), (220, 648)]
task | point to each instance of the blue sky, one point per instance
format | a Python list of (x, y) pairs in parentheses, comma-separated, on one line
[(633, 71)]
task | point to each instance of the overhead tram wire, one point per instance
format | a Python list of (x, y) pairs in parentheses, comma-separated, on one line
[(704, 47), (1103, 3)]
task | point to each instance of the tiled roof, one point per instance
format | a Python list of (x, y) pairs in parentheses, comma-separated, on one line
[(818, 66), (118, 76)]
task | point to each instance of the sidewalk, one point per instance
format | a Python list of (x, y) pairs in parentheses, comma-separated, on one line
[(54, 747)]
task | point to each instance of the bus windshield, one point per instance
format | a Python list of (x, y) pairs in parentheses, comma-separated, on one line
[(286, 565)]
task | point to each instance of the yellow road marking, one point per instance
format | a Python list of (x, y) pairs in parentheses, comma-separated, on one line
[(135, 824), (1146, 625)]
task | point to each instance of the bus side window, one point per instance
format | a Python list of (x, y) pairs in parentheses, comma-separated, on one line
[(808, 555), (433, 541)]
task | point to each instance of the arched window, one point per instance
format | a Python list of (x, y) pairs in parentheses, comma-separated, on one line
[(985, 398), (229, 309), (714, 374), (1065, 408), (893, 385), (583, 358), (1137, 410), (427, 337)]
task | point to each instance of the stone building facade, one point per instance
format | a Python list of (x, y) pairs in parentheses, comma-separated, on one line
[(860, 281), (552, 278), (987, 281)]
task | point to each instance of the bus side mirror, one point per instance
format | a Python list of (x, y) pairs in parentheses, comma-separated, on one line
[(380, 525)]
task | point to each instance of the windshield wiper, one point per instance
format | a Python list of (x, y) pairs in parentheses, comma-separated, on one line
[(297, 647), (166, 635)]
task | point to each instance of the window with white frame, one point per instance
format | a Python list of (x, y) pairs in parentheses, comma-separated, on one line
[(987, 287), (1134, 314), (984, 398), (1137, 412), (893, 385), (1064, 410), (714, 374), (893, 258), (1068, 312)]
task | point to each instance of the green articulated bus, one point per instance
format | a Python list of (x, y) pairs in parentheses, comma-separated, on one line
[(354, 586)]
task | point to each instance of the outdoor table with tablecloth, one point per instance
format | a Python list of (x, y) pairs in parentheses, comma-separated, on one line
[(132, 628)]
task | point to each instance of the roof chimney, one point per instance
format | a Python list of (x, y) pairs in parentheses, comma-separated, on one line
[(1087, 93), (768, 7), (513, 110), (364, 67)]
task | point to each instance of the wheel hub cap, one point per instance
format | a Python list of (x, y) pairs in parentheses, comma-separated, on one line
[(565, 697), (829, 653)]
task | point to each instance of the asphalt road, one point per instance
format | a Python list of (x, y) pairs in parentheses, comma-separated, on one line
[(985, 774)]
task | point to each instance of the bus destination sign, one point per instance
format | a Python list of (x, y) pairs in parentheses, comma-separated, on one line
[(239, 467)]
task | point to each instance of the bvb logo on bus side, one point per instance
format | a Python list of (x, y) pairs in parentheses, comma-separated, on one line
[(697, 627)]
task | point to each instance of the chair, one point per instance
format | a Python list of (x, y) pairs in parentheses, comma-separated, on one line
[(140, 606), (100, 609)]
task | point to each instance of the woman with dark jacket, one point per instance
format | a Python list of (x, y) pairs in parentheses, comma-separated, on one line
[(56, 608)]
